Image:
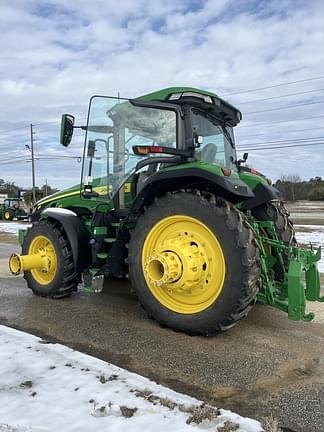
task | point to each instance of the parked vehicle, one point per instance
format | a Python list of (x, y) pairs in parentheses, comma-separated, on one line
[(164, 201), (13, 208)]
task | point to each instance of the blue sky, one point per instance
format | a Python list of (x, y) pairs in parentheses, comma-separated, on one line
[(55, 54)]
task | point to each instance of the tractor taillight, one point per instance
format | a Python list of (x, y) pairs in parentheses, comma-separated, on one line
[(156, 149), (142, 150), (226, 171)]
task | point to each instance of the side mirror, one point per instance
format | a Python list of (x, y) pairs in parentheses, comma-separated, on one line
[(67, 124), (240, 161)]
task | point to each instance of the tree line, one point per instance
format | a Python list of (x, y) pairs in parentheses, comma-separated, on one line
[(15, 191), (293, 188)]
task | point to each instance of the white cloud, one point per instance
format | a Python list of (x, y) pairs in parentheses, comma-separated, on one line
[(56, 54)]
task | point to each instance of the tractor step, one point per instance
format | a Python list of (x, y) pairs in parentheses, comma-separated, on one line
[(93, 271), (93, 283), (102, 255), (110, 239)]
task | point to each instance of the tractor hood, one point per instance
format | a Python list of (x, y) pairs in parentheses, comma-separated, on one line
[(72, 191)]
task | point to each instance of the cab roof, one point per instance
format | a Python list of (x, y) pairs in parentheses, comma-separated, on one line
[(212, 102)]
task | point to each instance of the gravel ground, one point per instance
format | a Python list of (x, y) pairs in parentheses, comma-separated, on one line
[(266, 366)]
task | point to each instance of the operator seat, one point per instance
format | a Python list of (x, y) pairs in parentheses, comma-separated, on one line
[(208, 152)]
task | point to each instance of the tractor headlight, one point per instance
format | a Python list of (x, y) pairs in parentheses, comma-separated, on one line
[(176, 96)]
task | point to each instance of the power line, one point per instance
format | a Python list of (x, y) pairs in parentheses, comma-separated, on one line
[(279, 147), (282, 133), (289, 140), (283, 108), (282, 96), (282, 121), (38, 159), (18, 128), (57, 122), (275, 85)]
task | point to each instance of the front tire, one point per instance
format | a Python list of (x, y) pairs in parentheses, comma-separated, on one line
[(194, 263), (8, 215), (59, 280)]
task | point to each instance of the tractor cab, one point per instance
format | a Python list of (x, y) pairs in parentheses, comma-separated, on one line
[(128, 140), (12, 202)]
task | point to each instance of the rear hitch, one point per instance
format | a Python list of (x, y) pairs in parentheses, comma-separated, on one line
[(290, 294)]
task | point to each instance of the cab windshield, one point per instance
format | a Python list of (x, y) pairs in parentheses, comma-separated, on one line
[(114, 127), (217, 146)]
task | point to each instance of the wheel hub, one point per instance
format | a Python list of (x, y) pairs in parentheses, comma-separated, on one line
[(163, 267), (183, 264), (178, 265)]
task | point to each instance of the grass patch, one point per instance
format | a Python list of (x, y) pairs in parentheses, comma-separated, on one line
[(104, 380), (154, 399), (271, 424), (202, 413), (26, 384), (127, 412), (197, 413), (228, 426)]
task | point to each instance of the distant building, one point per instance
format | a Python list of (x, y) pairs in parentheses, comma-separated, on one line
[(3, 197)]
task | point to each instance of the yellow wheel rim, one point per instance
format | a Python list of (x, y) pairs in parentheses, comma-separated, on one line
[(183, 264), (7, 215), (43, 246)]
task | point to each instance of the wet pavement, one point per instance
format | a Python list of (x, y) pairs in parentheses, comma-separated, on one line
[(266, 366)]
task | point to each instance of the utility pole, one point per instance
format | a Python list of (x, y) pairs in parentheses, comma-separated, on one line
[(33, 162)]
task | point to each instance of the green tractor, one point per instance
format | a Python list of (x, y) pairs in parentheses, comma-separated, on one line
[(12, 208), (164, 201)]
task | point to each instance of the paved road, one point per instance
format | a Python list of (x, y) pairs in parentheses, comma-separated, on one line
[(265, 366)]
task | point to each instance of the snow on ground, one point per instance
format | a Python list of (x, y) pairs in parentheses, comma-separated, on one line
[(12, 227), (49, 387), (314, 235)]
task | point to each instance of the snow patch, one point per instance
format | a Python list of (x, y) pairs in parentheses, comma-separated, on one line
[(12, 228), (312, 235), (49, 387)]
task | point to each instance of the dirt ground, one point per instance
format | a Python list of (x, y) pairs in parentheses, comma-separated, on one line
[(307, 212), (265, 366)]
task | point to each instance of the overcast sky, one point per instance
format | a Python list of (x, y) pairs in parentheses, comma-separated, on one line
[(55, 54)]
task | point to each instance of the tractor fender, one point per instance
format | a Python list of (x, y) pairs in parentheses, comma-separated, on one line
[(263, 193), (231, 189), (76, 233)]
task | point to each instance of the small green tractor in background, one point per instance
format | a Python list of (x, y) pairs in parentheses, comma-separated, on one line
[(165, 202), (13, 208)]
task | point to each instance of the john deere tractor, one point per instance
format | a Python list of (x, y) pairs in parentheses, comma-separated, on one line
[(12, 208), (164, 201)]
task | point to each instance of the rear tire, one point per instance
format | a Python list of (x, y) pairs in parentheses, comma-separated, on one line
[(63, 279), (241, 282)]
